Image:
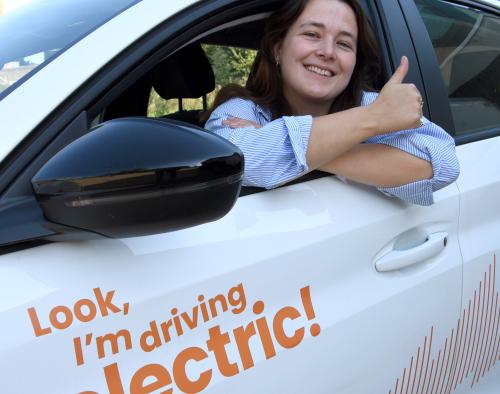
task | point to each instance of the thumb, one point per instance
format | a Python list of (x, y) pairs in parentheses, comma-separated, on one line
[(400, 73)]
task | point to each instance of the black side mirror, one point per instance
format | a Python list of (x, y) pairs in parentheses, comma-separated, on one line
[(138, 176)]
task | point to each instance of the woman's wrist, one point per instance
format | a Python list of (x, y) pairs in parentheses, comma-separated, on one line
[(334, 134), (368, 122)]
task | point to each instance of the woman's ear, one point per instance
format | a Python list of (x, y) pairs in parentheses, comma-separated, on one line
[(277, 54)]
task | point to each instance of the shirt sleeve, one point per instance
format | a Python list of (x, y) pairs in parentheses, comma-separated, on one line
[(274, 153), (428, 142)]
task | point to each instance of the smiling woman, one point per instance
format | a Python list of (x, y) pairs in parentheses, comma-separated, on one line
[(310, 82), (309, 104)]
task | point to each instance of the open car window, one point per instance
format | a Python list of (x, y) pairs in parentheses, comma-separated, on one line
[(184, 84)]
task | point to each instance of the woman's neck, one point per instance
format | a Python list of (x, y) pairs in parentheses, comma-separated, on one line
[(308, 107)]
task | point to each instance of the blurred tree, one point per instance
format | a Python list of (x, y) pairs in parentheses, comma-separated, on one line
[(230, 65)]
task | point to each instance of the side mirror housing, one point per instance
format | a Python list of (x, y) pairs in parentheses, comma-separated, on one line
[(138, 176)]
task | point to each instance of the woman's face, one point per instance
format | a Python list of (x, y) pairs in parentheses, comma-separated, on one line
[(318, 55)]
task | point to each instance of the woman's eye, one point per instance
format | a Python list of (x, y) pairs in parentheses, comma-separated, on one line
[(346, 45), (311, 34)]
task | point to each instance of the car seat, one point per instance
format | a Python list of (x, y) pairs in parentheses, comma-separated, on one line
[(185, 74)]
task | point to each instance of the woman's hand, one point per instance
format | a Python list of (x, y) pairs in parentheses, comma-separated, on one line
[(238, 123), (399, 105)]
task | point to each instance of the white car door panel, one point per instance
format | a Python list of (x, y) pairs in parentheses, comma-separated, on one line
[(465, 41), (280, 295), (479, 185)]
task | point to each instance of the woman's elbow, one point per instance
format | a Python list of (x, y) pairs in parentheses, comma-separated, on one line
[(423, 170), (449, 171)]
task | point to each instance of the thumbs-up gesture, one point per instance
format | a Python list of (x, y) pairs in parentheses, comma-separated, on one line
[(399, 105)]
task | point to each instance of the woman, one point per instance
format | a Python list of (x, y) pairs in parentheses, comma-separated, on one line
[(307, 106)]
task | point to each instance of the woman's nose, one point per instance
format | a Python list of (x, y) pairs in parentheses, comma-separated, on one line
[(326, 49)]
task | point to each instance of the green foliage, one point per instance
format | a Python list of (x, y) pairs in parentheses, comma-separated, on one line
[(158, 106), (230, 65)]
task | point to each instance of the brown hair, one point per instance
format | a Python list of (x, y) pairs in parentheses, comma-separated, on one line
[(264, 85)]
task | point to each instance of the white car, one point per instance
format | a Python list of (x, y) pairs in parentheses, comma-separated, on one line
[(131, 262)]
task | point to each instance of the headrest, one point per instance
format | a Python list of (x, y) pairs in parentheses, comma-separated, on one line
[(185, 74)]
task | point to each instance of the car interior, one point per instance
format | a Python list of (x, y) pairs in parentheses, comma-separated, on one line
[(187, 74)]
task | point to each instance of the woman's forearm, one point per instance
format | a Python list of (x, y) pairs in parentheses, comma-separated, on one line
[(379, 165)]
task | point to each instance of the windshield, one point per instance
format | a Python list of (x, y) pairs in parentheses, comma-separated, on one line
[(33, 32)]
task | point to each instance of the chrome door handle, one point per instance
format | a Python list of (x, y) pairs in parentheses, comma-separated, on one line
[(397, 259)]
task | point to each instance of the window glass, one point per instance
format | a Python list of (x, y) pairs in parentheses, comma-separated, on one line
[(467, 45), (34, 31)]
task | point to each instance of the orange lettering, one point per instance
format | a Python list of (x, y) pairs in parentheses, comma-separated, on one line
[(105, 302), (191, 322), (154, 335), (112, 339), (39, 331), (287, 342), (213, 304), (68, 317), (181, 379), (113, 379), (216, 343), (239, 303), (78, 310), (265, 337), (165, 330), (157, 371), (242, 336)]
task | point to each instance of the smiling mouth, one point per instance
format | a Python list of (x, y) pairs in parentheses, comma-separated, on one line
[(319, 71)]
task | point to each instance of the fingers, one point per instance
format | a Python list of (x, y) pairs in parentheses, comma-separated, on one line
[(235, 123), (400, 73), (238, 123)]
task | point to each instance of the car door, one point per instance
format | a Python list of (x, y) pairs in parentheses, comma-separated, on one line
[(463, 47), (321, 286)]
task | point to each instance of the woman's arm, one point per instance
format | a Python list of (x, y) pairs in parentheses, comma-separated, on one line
[(380, 165), (408, 164), (279, 151), (275, 151)]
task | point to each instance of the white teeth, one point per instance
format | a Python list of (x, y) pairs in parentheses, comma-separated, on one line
[(319, 71)]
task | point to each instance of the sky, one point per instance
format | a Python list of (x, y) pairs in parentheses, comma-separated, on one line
[(10, 5)]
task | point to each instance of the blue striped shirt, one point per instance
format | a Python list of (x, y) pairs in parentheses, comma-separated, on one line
[(276, 152)]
